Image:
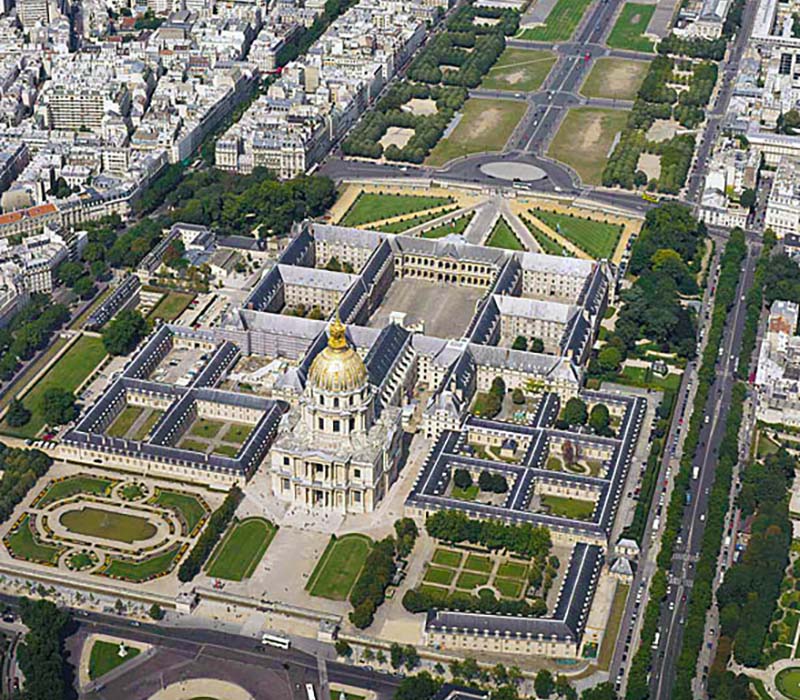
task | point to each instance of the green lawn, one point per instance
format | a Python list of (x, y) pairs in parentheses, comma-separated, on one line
[(575, 508), (548, 245), (436, 574), (788, 682), (237, 556), (503, 237), (123, 422), (596, 238), (238, 433), (512, 569), (131, 492), (339, 566), (171, 305), (508, 587), (68, 373), (458, 225), (760, 688), (519, 70), (560, 23), (468, 494), (193, 445), (147, 424), (206, 428), (370, 206), (405, 224), (23, 545), (584, 140), (630, 26), (105, 657), (75, 484), (189, 508), (108, 524), (478, 562), (485, 125), (615, 78), (612, 627), (335, 695), (447, 557), (641, 377), (226, 450), (144, 570), (467, 580)]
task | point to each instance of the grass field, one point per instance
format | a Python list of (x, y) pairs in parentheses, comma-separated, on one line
[(238, 433), (468, 494), (107, 524), (68, 373), (630, 26), (193, 445), (615, 78), (148, 424), (568, 507), (226, 450), (485, 126), (242, 549), (105, 657), (458, 225), (788, 682), (447, 557), (122, 424), (436, 574), (23, 545), (189, 508), (206, 428), (585, 138), (639, 376), (509, 588), (561, 22), (75, 484), (596, 238), (405, 224), (512, 569), (339, 566), (519, 70), (503, 237), (144, 570), (478, 562), (370, 206), (612, 626), (171, 305), (467, 580)]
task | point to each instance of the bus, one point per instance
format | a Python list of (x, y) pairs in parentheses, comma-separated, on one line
[(311, 694), (274, 640)]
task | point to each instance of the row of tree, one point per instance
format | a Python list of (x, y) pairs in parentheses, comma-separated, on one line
[(219, 521), (21, 469), (41, 653), (423, 599)]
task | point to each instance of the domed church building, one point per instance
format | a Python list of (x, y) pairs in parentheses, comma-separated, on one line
[(339, 449)]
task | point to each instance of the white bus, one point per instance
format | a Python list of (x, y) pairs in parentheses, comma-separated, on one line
[(275, 641), (311, 694)]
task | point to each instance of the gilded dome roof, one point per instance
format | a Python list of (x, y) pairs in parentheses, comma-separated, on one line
[(338, 368)]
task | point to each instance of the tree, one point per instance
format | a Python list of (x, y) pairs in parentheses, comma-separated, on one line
[(69, 272), (123, 333), (85, 288), (462, 479), (156, 612), (543, 684), (520, 343), (343, 648), (518, 396), (574, 412), (748, 198), (599, 419), (58, 406), (604, 691), (537, 345), (41, 653), (419, 687), (568, 452), (17, 414), (396, 655), (609, 359)]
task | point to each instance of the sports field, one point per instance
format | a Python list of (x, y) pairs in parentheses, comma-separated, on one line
[(485, 126), (561, 22), (339, 566), (615, 78), (585, 138), (630, 26), (596, 238), (68, 373), (242, 549), (371, 206), (519, 70)]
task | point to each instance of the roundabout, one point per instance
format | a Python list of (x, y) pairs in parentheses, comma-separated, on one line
[(513, 171), (202, 689)]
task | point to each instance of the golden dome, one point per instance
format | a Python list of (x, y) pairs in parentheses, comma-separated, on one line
[(338, 367)]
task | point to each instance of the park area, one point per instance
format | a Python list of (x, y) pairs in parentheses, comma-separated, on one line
[(485, 126), (630, 27), (105, 657), (339, 566), (595, 238), (376, 206), (615, 78), (68, 373), (561, 22), (503, 237), (237, 556), (519, 70), (585, 139), (788, 682)]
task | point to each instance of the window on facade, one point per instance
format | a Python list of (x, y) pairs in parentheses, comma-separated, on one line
[(336, 426), (352, 424), (357, 496), (286, 461), (336, 402), (356, 473), (320, 423)]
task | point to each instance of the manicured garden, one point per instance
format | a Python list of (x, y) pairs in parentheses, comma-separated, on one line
[(574, 508), (242, 549), (68, 373), (142, 570), (788, 682), (403, 225), (503, 237), (206, 428), (561, 22), (64, 488), (457, 226), (108, 524), (376, 206), (105, 657), (596, 238), (190, 509), (339, 566), (23, 545), (630, 26)]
